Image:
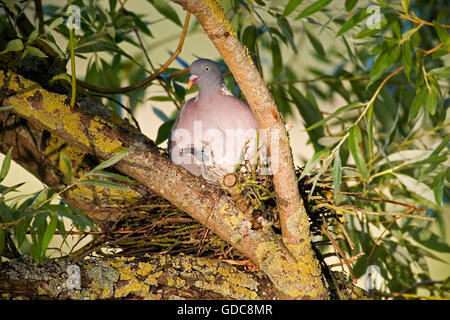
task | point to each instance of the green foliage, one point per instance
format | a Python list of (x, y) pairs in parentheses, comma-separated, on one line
[(383, 146), (28, 224), (388, 141)]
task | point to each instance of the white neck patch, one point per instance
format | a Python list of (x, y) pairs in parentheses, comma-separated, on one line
[(225, 91)]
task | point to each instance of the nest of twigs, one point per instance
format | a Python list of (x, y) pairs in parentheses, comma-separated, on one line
[(160, 227)]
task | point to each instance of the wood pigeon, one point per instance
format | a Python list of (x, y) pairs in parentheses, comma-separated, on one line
[(213, 132)]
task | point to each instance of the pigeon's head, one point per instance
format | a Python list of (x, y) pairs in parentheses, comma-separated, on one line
[(206, 75)]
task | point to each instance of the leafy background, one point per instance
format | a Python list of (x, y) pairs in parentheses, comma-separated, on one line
[(368, 109)]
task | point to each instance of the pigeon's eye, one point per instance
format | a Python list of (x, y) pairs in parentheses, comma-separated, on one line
[(206, 69)]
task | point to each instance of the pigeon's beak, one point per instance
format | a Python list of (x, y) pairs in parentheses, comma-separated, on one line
[(193, 79)]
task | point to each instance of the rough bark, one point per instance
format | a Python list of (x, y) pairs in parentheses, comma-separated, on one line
[(293, 217), (161, 277)]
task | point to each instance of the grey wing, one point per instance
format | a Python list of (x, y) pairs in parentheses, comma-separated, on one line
[(175, 125)]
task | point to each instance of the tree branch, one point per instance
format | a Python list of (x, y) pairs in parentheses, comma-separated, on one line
[(160, 277)]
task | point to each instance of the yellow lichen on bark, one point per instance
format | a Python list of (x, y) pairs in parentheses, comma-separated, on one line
[(288, 275), (53, 111), (219, 15), (104, 142), (56, 146)]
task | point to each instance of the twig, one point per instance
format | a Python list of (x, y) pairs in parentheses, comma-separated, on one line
[(147, 57), (351, 259), (418, 20), (382, 234), (339, 251), (72, 58), (39, 14), (419, 284), (318, 79), (353, 210), (393, 202), (346, 236), (150, 78)]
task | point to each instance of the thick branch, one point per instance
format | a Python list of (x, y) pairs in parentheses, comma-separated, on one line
[(161, 277), (39, 151)]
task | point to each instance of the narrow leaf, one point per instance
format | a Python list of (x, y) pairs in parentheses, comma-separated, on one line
[(5, 190), (354, 105), (405, 5), (77, 217), (166, 10), (438, 187), (355, 145), (55, 47), (35, 52), (249, 37), (443, 35), (164, 131), (316, 6), (55, 23), (6, 108), (5, 165), (112, 175), (430, 240), (407, 58), (310, 114), (33, 35), (337, 174), (61, 76), (106, 184), (350, 4), (315, 43), (21, 228), (286, 30), (419, 101), (277, 61), (111, 161), (431, 101), (443, 72), (39, 198), (291, 6), (406, 155), (48, 234), (14, 45), (414, 186), (68, 167), (311, 164), (160, 98), (353, 21), (329, 141), (382, 63), (370, 129)]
